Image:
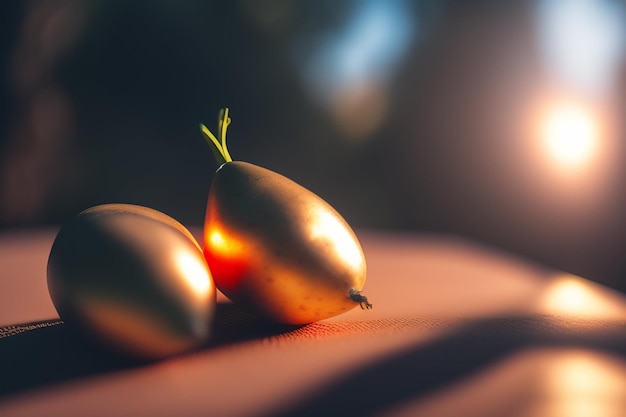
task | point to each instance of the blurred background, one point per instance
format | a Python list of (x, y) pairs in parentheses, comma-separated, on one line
[(499, 121)]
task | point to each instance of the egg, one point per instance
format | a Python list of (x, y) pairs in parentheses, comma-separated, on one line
[(133, 279), (279, 250), (276, 248)]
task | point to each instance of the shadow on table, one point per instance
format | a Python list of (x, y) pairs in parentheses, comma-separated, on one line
[(423, 369), (38, 354), (51, 354)]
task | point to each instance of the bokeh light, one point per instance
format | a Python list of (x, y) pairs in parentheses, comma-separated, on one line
[(583, 383), (571, 296), (347, 69), (570, 134), (583, 42)]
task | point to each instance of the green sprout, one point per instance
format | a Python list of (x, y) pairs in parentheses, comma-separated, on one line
[(218, 146)]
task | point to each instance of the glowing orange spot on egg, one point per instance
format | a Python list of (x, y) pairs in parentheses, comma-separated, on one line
[(226, 255)]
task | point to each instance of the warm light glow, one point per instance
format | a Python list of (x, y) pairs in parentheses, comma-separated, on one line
[(217, 240), (586, 384), (223, 244), (229, 256), (332, 231), (569, 295), (570, 134), (195, 272), (571, 163)]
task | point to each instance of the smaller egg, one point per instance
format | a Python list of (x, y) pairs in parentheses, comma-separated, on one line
[(133, 279)]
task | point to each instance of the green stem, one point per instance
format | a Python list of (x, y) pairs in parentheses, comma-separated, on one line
[(218, 146)]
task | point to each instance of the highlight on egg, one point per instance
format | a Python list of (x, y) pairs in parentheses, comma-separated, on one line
[(133, 279)]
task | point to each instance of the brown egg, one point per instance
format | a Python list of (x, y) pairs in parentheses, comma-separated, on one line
[(278, 249), (133, 279), (275, 247)]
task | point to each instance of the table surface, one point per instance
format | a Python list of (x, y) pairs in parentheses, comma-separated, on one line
[(457, 329)]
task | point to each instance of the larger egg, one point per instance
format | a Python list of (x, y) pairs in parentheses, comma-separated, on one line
[(133, 279), (278, 249)]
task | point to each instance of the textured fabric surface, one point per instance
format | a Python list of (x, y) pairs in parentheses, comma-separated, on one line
[(15, 329), (456, 329)]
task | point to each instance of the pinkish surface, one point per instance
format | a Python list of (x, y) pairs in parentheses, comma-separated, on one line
[(456, 329)]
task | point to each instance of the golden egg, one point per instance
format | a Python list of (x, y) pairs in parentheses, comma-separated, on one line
[(133, 279), (278, 249), (275, 247)]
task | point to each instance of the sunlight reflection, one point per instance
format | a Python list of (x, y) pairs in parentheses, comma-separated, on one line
[(586, 384), (194, 271), (570, 134), (329, 229), (583, 41), (570, 295)]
